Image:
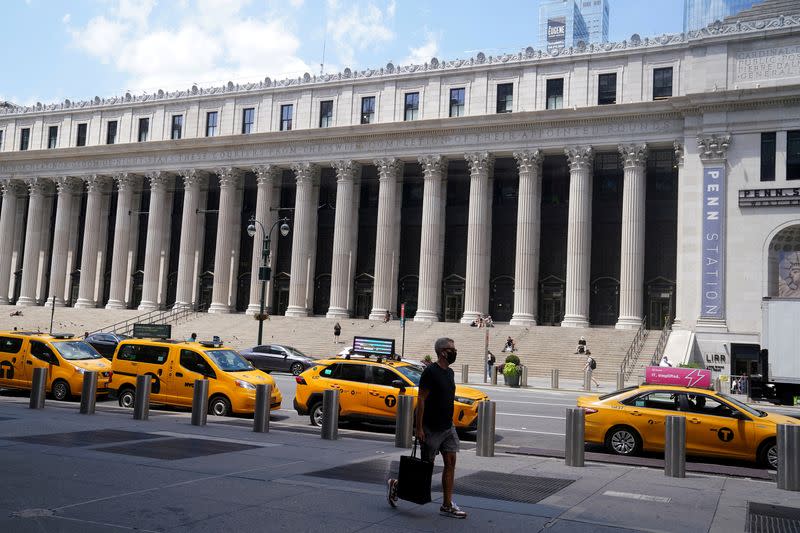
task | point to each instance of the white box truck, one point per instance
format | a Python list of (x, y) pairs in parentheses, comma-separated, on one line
[(780, 347)]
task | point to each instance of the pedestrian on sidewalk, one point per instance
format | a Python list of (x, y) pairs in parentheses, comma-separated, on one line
[(665, 361), (589, 368), (490, 361), (337, 330), (434, 427)]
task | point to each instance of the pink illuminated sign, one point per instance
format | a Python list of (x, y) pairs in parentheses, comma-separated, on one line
[(682, 377)]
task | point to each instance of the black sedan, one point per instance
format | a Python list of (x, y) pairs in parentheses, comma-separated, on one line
[(269, 357), (105, 343)]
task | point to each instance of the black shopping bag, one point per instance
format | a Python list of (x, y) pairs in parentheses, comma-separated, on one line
[(414, 480)]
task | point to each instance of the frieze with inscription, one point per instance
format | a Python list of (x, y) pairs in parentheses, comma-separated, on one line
[(768, 64)]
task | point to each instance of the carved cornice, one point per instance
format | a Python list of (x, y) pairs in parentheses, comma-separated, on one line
[(679, 152), (529, 160), (633, 155), (433, 166), (389, 168), (306, 173), (97, 184), (266, 174), (12, 188), (69, 185), (480, 164), (713, 147), (346, 169), (579, 157)]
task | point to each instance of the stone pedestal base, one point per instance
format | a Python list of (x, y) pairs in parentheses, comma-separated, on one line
[(144, 306), (425, 316), (295, 311), (219, 309), (83, 303), (26, 301), (469, 317), (116, 304), (377, 314), (628, 322), (575, 322), (58, 303), (337, 312), (522, 320)]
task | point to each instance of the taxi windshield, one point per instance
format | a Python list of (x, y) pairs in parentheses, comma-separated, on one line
[(411, 372), (76, 350), (743, 406), (229, 361)]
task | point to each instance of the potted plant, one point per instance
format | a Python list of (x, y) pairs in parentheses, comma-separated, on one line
[(512, 371)]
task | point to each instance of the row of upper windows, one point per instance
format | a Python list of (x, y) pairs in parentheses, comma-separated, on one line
[(769, 150), (554, 99)]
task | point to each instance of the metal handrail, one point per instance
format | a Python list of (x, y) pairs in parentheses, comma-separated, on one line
[(634, 348), (662, 342), (151, 317)]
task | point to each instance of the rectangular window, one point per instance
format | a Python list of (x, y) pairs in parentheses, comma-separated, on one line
[(662, 83), (211, 123), (412, 106), (505, 97), (555, 94), (286, 117), (768, 156), (457, 102), (248, 119), (368, 110), (140, 353), (81, 141), (793, 155), (111, 132), (52, 137), (177, 126), (326, 114), (607, 89), (144, 129), (1, 139), (24, 138)]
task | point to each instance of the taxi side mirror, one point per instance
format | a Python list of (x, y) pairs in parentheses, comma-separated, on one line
[(398, 384)]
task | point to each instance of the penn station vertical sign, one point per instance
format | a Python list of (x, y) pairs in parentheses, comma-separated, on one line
[(556, 33), (713, 246)]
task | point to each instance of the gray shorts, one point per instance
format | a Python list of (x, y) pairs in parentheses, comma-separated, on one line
[(439, 441)]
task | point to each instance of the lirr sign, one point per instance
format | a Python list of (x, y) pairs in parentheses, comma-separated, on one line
[(713, 243)]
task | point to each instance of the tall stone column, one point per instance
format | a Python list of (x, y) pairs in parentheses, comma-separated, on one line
[(631, 278), (69, 190), (529, 224), (223, 296), (266, 178), (344, 243), (36, 233), (303, 239), (431, 254), (122, 258), (390, 172), (579, 237), (683, 269), (13, 199), (479, 236), (155, 251), (94, 242), (189, 259)]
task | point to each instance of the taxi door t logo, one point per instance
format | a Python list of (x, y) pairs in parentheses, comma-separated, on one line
[(725, 434)]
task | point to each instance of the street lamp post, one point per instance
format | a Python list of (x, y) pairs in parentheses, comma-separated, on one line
[(264, 271)]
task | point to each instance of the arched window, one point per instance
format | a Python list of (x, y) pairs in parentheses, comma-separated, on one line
[(783, 276)]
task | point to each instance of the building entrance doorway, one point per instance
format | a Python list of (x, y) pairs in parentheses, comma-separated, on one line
[(604, 306), (206, 293), (407, 292), (322, 294), (74, 286), (453, 300), (363, 296), (660, 305), (136, 289), (501, 299), (280, 293), (551, 302)]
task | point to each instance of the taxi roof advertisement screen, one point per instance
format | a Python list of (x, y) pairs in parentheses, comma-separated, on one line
[(373, 346), (682, 377)]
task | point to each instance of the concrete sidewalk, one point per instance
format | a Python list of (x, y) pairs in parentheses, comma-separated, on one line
[(62, 471)]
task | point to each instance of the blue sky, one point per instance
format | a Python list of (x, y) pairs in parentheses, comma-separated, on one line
[(84, 48)]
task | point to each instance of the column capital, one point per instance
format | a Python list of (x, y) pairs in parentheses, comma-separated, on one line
[(126, 181), (266, 174), (68, 185), (346, 169), (633, 155), (480, 163), (305, 172), (388, 167), (158, 180), (229, 177), (679, 153), (529, 160), (579, 157), (432, 166), (193, 178), (39, 186), (12, 187), (96, 183), (713, 148)]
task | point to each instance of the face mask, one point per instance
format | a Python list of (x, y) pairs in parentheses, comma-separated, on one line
[(451, 357)]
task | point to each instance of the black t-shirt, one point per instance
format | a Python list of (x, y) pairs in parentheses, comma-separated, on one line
[(441, 387)]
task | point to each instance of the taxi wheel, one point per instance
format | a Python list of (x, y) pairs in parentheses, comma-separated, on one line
[(61, 390), (768, 454), (315, 414), (296, 369), (219, 406), (623, 440), (127, 398)]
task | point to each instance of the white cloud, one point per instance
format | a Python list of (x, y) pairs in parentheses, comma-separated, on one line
[(296, 3), (358, 27), (424, 52), (66, 18)]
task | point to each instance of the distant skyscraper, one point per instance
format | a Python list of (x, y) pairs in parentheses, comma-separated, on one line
[(563, 23), (700, 13)]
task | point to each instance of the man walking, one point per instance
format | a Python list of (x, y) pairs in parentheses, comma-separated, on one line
[(589, 368), (434, 416)]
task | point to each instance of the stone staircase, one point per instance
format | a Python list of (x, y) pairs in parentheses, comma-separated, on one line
[(645, 356)]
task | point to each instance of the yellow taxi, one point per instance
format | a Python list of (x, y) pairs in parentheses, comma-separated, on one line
[(65, 358), (630, 420), (368, 391), (175, 365)]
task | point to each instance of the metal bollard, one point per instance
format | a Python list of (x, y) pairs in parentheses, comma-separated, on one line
[(141, 404), (554, 378), (620, 380), (675, 446), (464, 373), (89, 393), (37, 388), (330, 414), (200, 402), (487, 411), (523, 379), (404, 421), (789, 457), (494, 375), (587, 380), (261, 415), (574, 444)]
